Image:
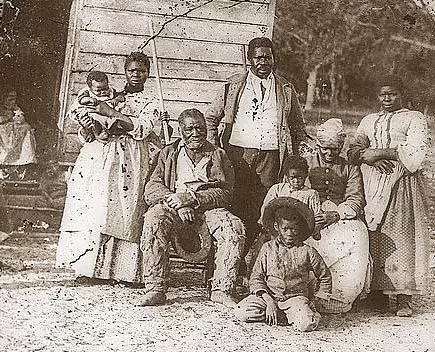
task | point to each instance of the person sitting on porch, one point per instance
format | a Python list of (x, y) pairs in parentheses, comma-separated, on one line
[(191, 183), (17, 140)]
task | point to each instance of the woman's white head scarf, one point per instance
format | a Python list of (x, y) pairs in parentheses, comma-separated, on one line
[(330, 134)]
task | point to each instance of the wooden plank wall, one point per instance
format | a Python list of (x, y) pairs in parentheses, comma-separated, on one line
[(201, 44)]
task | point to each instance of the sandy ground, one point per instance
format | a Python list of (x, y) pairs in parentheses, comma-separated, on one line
[(43, 310)]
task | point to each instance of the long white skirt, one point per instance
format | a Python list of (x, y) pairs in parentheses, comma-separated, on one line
[(344, 247), (100, 256), (103, 214)]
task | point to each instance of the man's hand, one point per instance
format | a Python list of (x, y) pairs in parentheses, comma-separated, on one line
[(384, 166), (271, 312), (327, 218), (180, 200), (186, 214)]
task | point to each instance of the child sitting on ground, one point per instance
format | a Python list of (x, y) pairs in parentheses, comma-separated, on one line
[(280, 284), (295, 169), (88, 98)]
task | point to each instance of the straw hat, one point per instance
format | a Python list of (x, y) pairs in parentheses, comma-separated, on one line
[(293, 205)]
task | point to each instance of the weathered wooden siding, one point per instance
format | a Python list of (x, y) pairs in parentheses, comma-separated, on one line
[(201, 44)]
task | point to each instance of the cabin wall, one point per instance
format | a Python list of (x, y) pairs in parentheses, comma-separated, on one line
[(201, 44)]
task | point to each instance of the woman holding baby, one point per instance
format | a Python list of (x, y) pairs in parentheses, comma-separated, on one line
[(102, 220)]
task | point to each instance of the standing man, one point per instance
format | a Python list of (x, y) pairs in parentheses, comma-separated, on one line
[(192, 183), (260, 121)]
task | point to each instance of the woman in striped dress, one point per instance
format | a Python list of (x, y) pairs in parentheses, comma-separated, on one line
[(390, 146)]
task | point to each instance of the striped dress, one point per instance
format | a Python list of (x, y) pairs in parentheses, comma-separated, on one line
[(395, 211)]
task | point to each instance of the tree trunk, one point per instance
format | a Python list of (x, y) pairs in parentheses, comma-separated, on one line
[(311, 85), (333, 100)]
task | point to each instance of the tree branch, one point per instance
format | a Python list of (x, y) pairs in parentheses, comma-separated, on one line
[(399, 38), (370, 25), (298, 37), (144, 44)]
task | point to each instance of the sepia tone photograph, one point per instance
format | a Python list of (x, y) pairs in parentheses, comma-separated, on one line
[(217, 175)]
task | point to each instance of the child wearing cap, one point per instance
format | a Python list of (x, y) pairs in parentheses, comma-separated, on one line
[(280, 284)]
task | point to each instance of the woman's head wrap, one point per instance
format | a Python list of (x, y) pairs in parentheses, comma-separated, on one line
[(330, 134)]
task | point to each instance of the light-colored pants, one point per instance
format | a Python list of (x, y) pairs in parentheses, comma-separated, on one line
[(299, 311), (161, 221)]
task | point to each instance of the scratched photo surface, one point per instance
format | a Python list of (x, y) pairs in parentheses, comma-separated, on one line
[(93, 217)]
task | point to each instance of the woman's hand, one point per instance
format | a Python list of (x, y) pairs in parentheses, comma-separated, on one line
[(104, 109), (164, 115), (384, 166), (327, 218), (370, 156)]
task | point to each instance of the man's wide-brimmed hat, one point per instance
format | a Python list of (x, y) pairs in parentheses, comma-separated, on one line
[(293, 205), (192, 241)]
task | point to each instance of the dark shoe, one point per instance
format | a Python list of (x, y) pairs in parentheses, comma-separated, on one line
[(223, 298), (134, 285), (151, 298), (86, 281), (90, 281), (404, 306), (379, 301)]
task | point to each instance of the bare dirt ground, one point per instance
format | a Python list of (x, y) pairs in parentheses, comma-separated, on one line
[(41, 309)]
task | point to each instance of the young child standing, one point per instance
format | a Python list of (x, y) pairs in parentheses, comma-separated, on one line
[(279, 284)]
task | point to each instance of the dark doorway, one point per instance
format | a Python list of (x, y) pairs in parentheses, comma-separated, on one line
[(35, 67)]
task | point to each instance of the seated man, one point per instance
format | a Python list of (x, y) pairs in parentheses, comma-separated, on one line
[(193, 180)]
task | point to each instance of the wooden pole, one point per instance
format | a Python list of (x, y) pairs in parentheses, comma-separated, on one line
[(245, 61), (158, 82)]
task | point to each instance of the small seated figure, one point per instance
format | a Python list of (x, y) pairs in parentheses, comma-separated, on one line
[(17, 140), (88, 98), (280, 284)]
